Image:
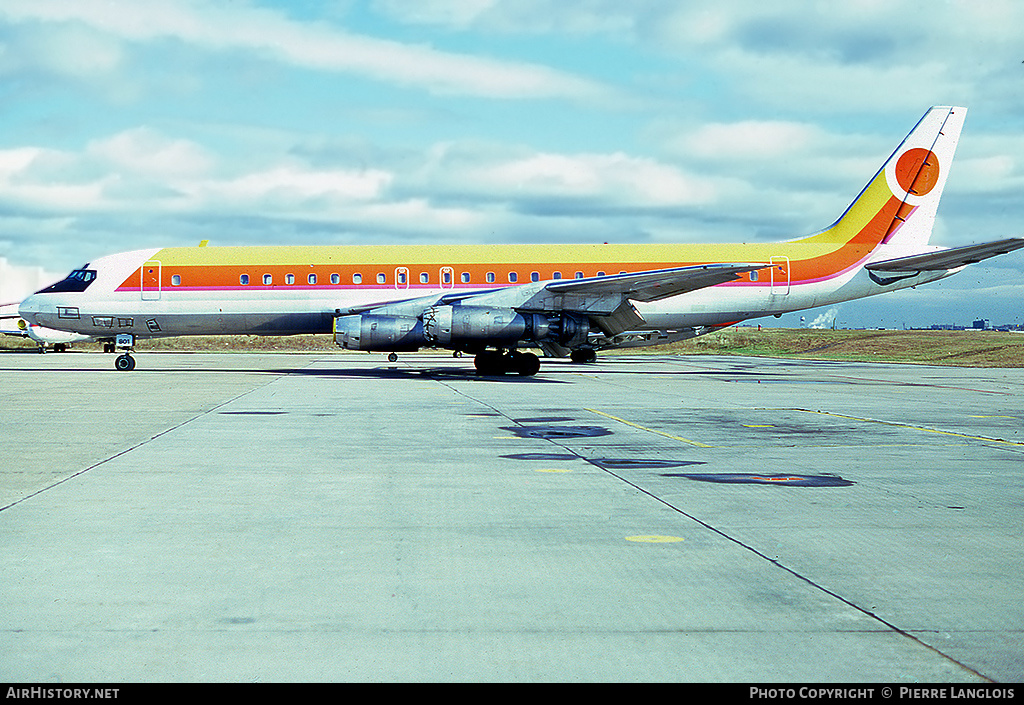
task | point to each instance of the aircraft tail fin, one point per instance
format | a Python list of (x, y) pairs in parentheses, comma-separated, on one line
[(898, 205)]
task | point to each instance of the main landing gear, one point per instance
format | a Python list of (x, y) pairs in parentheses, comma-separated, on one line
[(124, 363), (498, 362), (583, 355)]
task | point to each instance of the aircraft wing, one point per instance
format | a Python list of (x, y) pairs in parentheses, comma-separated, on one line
[(656, 284), (951, 258), (605, 300), (8, 316)]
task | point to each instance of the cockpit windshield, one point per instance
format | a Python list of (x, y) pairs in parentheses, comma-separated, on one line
[(78, 280)]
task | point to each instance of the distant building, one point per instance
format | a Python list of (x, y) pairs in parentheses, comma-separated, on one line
[(982, 324)]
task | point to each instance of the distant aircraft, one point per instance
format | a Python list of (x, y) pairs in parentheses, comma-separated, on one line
[(494, 300), (42, 337)]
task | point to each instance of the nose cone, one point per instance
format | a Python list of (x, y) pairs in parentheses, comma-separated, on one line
[(29, 308)]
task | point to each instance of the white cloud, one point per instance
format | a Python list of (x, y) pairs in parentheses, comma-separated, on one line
[(524, 179), (313, 45), (521, 16), (294, 188), (822, 58), (748, 140), (74, 51), (18, 282), (144, 151)]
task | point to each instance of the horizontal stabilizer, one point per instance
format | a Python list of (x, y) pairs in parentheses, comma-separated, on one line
[(948, 259)]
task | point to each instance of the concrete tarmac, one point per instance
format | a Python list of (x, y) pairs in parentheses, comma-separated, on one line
[(334, 517)]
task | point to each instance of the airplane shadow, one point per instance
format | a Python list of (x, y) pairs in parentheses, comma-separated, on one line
[(421, 373)]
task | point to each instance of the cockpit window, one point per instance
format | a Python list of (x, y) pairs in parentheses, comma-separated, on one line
[(78, 280)]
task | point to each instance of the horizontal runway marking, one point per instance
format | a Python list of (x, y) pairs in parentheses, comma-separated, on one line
[(649, 430), (900, 424)]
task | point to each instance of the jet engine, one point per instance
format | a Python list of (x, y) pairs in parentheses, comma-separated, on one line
[(374, 332), (479, 326)]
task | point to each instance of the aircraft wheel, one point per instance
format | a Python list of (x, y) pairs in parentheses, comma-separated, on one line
[(583, 355), (526, 364), (124, 363), (489, 362), (393, 357)]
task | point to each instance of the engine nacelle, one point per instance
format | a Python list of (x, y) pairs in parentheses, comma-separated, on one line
[(383, 333), (468, 325)]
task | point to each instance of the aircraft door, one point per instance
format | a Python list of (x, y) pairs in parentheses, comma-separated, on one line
[(447, 278), (401, 277), (779, 275), (149, 284)]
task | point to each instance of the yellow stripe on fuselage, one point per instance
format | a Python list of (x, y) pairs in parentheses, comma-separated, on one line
[(845, 243)]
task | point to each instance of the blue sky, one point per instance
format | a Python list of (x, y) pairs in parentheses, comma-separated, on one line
[(126, 125)]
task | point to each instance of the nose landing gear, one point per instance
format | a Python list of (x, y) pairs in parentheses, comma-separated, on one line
[(124, 362)]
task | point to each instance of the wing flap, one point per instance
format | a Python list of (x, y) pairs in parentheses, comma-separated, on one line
[(948, 259)]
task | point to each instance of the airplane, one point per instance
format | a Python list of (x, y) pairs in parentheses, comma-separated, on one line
[(42, 337), (494, 300)]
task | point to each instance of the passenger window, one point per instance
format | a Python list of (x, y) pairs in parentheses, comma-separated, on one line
[(381, 279), (311, 279), (465, 277), (289, 278), (535, 276), (244, 280), (753, 276), (357, 278), (424, 278), (513, 277), (556, 275), (446, 276), (268, 279), (600, 274), (175, 280), (490, 277), (579, 275)]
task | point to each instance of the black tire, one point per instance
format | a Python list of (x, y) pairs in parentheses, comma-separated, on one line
[(489, 363), (526, 364)]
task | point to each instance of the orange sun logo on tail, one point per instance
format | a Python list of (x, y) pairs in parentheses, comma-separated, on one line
[(917, 171), (914, 175)]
